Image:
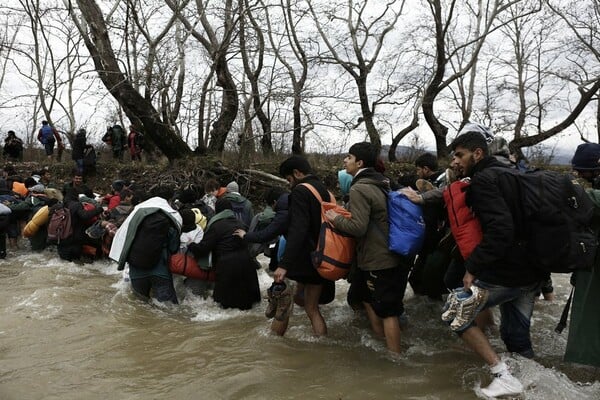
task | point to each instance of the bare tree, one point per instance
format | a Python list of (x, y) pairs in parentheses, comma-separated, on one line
[(582, 21), (366, 34), (217, 46), (296, 63), (246, 13), (92, 27), (449, 45)]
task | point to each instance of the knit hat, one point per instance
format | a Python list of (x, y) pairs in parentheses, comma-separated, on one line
[(499, 147), (233, 187), (188, 220), (586, 157), (365, 152), (478, 128)]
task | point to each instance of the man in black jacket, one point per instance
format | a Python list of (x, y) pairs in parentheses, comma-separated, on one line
[(499, 266), (303, 232)]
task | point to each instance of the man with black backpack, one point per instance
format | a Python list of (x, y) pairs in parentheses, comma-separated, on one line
[(499, 271), (147, 238)]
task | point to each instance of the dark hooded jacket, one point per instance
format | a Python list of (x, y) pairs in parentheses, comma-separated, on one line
[(278, 225), (304, 223), (500, 258), (78, 146), (236, 284)]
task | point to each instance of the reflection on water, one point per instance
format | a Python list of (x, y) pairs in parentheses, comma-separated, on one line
[(77, 332)]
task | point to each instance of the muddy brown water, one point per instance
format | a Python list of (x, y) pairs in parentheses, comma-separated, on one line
[(77, 332)]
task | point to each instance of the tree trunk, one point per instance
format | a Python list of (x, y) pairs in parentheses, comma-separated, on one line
[(367, 113), (414, 123), (229, 106), (136, 107)]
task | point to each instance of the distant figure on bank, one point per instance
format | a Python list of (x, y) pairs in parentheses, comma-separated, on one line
[(13, 147), (48, 136), (78, 150), (135, 142), (116, 138)]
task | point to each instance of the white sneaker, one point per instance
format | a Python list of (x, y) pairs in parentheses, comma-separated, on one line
[(503, 385)]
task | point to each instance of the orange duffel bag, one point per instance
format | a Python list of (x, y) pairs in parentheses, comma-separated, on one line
[(186, 265)]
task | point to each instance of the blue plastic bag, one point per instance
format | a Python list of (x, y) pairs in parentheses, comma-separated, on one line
[(407, 226)]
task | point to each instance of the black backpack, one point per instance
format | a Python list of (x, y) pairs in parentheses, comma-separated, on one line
[(150, 239), (555, 220)]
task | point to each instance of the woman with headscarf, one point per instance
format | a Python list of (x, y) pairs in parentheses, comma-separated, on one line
[(236, 284)]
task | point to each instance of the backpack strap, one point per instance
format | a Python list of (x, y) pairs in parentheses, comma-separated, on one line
[(315, 193), (565, 314)]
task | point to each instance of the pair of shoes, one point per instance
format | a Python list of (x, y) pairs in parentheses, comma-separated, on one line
[(469, 308), (503, 385), (280, 298), (424, 185), (272, 306), (285, 302), (452, 302)]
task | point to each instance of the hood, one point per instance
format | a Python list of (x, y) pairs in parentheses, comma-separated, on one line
[(234, 197), (372, 177), (487, 162), (345, 180)]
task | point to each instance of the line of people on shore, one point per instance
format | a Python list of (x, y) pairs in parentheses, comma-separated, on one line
[(217, 237)]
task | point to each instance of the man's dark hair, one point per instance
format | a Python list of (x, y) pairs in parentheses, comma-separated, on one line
[(162, 191), (427, 160), (470, 141), (274, 194), (365, 152), (211, 185), (295, 162), (75, 172)]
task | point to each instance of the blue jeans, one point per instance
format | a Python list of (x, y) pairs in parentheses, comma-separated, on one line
[(79, 165), (516, 307), (162, 289)]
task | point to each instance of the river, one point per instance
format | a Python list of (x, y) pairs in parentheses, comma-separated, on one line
[(72, 331)]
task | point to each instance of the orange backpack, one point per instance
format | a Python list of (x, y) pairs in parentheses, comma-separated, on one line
[(334, 254)]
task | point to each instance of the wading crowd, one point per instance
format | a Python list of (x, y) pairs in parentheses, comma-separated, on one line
[(476, 250)]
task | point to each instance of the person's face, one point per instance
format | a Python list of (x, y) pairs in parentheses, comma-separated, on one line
[(423, 172), (464, 160), (46, 177), (294, 178), (352, 166), (588, 175), (77, 180)]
